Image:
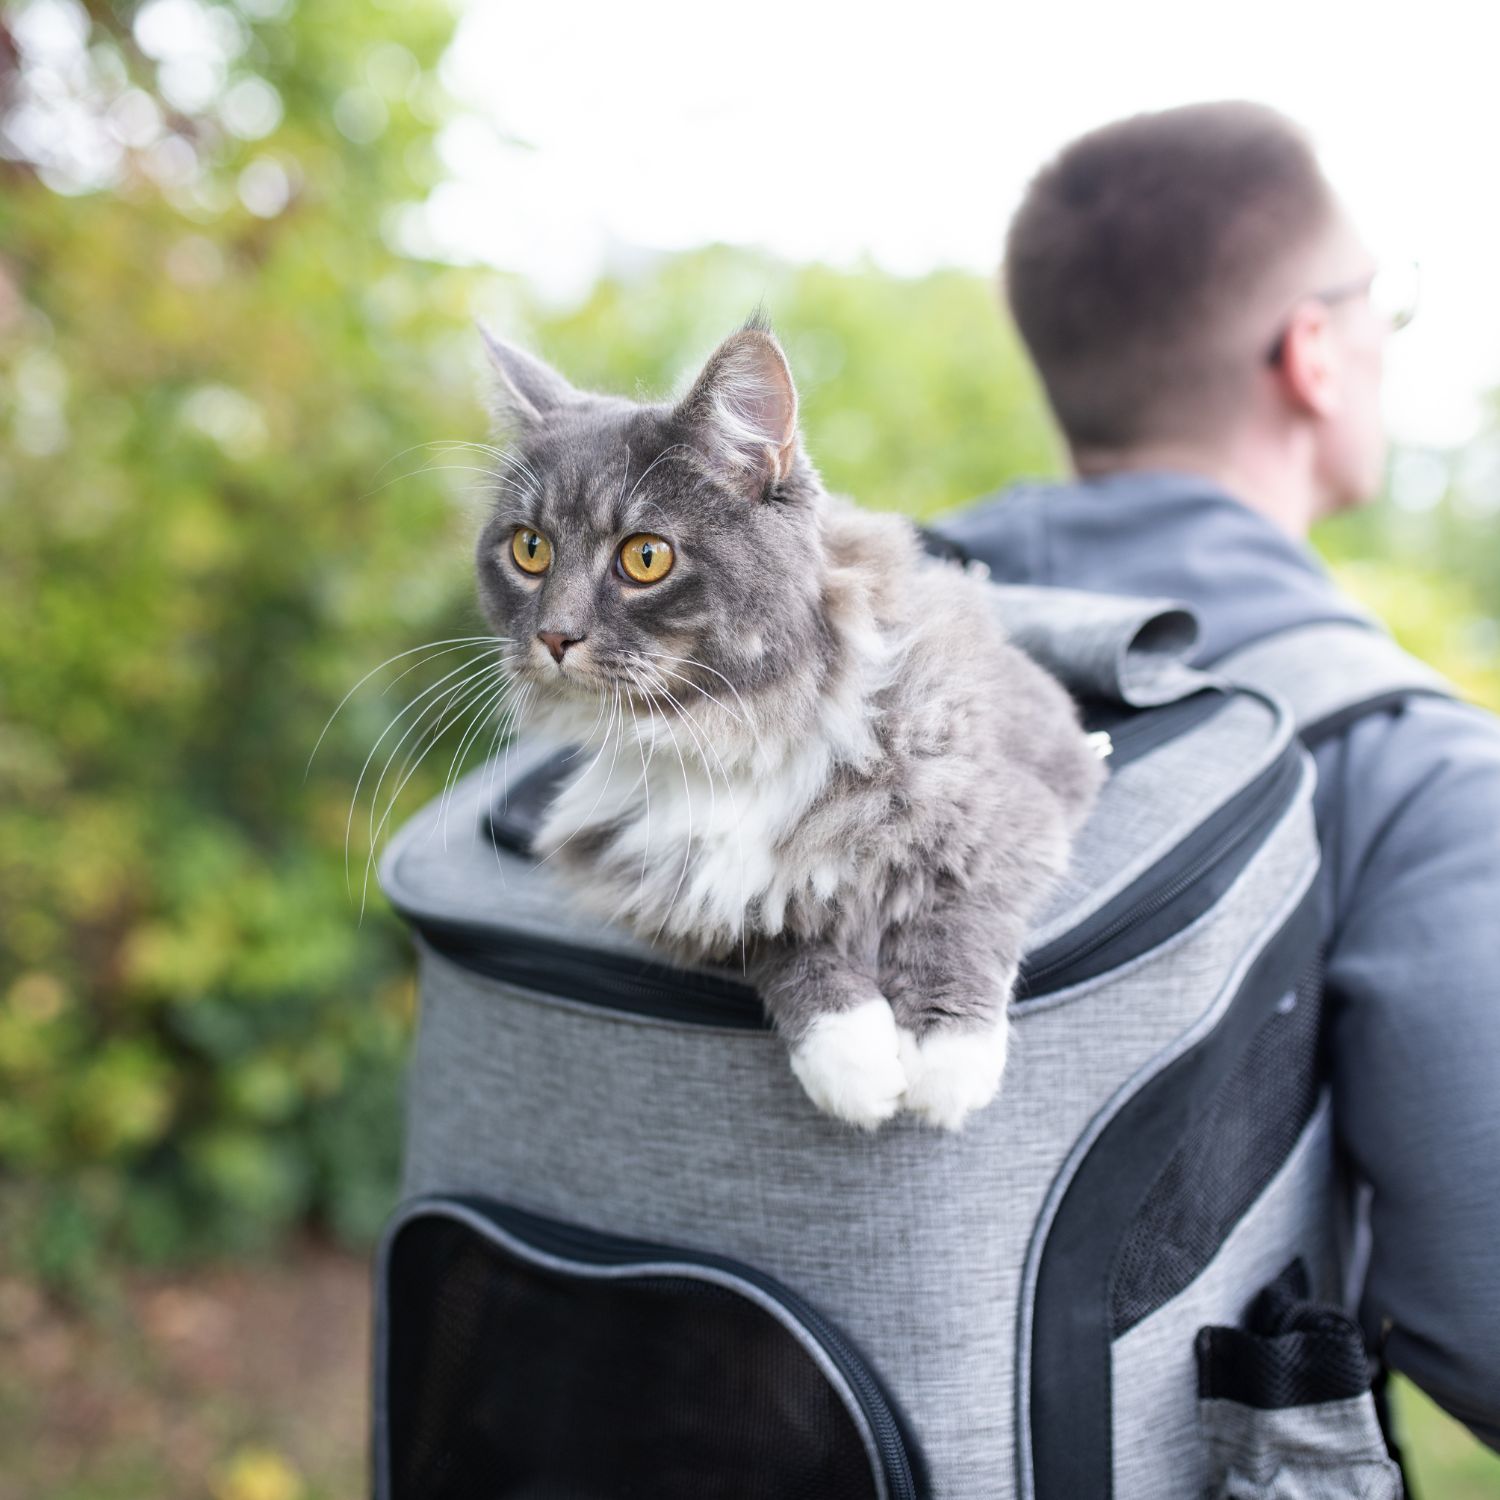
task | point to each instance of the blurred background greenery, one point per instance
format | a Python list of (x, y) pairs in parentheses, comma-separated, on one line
[(227, 398)]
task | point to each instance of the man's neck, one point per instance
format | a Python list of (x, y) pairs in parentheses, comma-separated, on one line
[(1280, 491)]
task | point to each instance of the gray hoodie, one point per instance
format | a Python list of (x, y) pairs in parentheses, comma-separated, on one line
[(1408, 808)]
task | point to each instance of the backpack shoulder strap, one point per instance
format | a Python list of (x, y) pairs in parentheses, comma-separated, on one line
[(1332, 673)]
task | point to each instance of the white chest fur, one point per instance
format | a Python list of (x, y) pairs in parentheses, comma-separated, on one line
[(680, 843)]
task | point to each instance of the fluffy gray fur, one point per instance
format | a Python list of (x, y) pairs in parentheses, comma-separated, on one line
[(808, 747)]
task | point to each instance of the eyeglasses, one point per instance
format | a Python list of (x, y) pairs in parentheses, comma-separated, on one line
[(1392, 292)]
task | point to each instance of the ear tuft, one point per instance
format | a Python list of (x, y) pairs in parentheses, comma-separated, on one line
[(745, 404), (526, 388)]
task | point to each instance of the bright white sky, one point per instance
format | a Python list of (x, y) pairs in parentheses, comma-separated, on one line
[(833, 131)]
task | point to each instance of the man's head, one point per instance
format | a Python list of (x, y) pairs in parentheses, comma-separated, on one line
[(1187, 281)]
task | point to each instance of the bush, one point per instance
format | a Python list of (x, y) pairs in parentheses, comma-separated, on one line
[(226, 498), (226, 391), (205, 359)]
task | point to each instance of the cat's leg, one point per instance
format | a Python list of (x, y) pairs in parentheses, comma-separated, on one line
[(841, 1032), (948, 971)]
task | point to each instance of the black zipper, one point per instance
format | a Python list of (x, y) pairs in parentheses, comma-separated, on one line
[(595, 977), (1136, 732), (1161, 902), (594, 1247), (1204, 865)]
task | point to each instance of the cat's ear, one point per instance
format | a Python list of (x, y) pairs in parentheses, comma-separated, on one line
[(525, 388), (745, 405)]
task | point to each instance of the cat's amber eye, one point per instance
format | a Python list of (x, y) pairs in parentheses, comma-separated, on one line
[(646, 558), (531, 550)]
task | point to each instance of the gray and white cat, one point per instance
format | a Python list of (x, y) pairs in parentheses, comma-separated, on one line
[(810, 748)]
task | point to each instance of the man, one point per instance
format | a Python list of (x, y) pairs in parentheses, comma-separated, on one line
[(1201, 313)]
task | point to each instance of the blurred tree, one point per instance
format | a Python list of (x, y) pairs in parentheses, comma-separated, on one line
[(914, 394), (226, 383), (1425, 560), (209, 343), (219, 370)]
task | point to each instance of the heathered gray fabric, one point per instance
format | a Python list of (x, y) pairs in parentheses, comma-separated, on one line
[(1333, 1451), (443, 866), (1149, 805), (1103, 646), (1177, 962), (1408, 807), (910, 1239), (1293, 664), (461, 1213), (1158, 1448), (698, 1136)]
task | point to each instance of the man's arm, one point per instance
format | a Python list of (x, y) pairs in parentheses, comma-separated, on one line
[(1414, 982)]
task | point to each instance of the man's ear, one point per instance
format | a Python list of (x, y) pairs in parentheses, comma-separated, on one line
[(525, 388), (744, 406), (1309, 366)]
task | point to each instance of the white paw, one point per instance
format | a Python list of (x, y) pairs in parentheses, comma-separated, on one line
[(952, 1071), (849, 1064)]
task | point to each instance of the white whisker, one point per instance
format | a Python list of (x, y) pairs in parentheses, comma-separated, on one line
[(688, 661), (499, 641), (616, 724), (455, 642), (408, 771), (526, 693), (453, 706), (517, 708), (425, 693), (450, 782), (433, 469)]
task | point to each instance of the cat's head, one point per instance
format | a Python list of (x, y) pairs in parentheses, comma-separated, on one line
[(670, 549)]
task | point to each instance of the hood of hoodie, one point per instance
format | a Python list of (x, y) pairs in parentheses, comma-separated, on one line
[(1161, 535)]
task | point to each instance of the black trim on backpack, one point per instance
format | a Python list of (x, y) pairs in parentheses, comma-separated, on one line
[(1186, 882), (1070, 1411), (515, 1352), (1239, 1143), (593, 976), (1331, 725), (1291, 1351)]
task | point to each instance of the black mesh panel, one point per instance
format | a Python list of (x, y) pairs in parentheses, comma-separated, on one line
[(1235, 1148), (506, 1381), (1291, 1351)]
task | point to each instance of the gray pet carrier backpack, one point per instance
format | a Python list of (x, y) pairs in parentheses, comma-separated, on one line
[(631, 1259)]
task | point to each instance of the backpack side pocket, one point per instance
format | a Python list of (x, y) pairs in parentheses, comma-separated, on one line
[(1285, 1403)]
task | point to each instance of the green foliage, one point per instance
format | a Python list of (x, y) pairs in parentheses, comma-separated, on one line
[(218, 518), (224, 398), (1431, 574), (200, 383), (224, 394), (1443, 1459), (914, 395)]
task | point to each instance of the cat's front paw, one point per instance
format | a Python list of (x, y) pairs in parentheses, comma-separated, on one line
[(850, 1064), (952, 1070)]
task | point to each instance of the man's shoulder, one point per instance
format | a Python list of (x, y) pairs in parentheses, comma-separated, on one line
[(1412, 792), (1418, 738)]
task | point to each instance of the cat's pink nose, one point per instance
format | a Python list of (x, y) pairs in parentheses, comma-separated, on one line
[(556, 642)]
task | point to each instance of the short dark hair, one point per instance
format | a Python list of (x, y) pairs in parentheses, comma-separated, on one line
[(1135, 251)]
